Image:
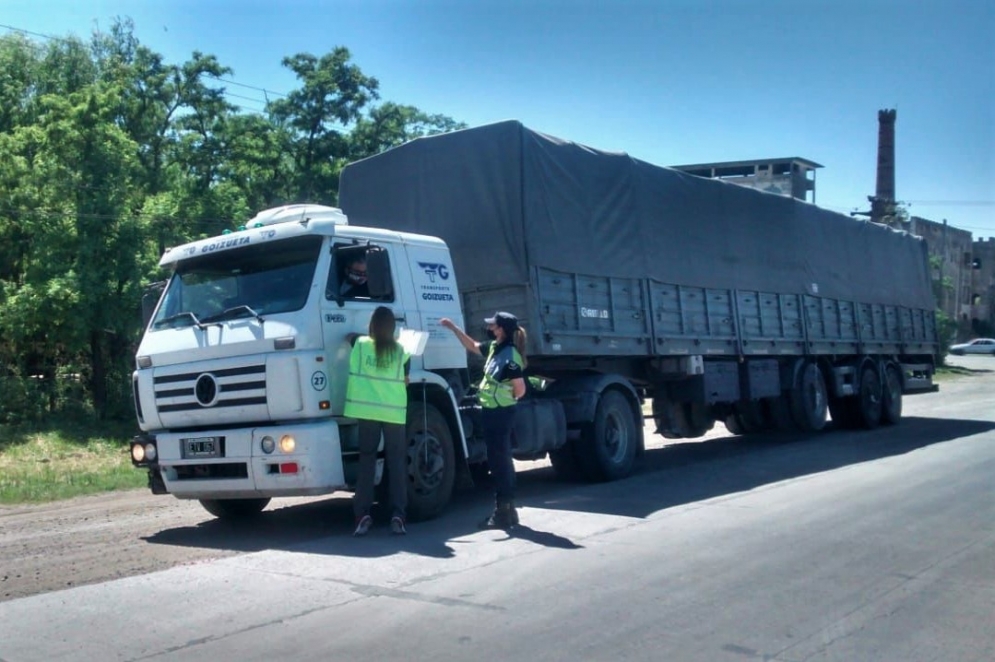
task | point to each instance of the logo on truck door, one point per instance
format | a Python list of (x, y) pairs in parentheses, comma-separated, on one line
[(433, 269)]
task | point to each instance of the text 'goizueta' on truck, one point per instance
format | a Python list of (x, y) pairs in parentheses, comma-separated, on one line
[(637, 283)]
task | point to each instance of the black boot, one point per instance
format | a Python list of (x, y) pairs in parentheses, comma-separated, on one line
[(504, 517)]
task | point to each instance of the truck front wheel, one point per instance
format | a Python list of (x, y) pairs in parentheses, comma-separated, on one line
[(234, 508), (608, 445), (431, 462)]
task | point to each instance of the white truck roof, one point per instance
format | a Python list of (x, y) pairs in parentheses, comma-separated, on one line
[(287, 221)]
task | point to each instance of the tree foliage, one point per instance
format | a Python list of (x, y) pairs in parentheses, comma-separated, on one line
[(109, 154)]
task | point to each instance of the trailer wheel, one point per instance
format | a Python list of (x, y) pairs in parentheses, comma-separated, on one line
[(779, 413), (431, 462), (891, 396), (843, 412), (809, 399), (734, 425), (692, 419), (869, 398), (607, 448), (230, 509), (747, 418)]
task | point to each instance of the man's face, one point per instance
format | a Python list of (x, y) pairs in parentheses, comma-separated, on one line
[(356, 273)]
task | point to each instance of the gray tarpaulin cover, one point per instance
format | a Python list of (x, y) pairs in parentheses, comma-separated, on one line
[(507, 199)]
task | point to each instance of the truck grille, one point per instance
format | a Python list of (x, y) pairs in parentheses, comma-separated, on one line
[(226, 387)]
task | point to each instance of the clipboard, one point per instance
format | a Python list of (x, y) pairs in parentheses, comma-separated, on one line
[(413, 341)]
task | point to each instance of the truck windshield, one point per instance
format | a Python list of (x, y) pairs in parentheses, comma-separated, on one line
[(250, 282)]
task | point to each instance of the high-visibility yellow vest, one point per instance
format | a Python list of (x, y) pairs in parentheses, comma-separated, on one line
[(376, 393), (493, 393)]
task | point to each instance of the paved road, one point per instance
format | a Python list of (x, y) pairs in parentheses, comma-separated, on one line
[(841, 546)]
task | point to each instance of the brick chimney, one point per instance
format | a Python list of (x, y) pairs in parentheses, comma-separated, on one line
[(883, 200), (886, 155)]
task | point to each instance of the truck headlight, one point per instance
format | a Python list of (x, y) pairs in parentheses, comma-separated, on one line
[(288, 443), (268, 444), (137, 453), (150, 452)]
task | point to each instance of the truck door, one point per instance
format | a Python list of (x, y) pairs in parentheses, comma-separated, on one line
[(435, 295), (361, 276)]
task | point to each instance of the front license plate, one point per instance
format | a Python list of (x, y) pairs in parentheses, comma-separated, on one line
[(201, 447)]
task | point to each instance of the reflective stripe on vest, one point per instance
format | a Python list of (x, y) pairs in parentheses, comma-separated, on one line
[(493, 393), (376, 393)]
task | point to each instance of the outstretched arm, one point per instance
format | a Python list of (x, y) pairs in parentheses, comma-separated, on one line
[(465, 340)]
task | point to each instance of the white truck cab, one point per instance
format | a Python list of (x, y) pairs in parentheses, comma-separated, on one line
[(241, 374)]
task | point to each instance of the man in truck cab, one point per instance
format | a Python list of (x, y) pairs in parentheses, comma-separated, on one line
[(353, 281)]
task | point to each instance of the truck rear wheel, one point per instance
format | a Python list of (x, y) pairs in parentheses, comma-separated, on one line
[(844, 412), (607, 448), (869, 398), (778, 409), (891, 396), (431, 462), (565, 462), (234, 508), (809, 400), (747, 417)]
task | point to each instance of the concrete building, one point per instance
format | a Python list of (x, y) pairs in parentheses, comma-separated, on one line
[(793, 176), (951, 260), (983, 287)]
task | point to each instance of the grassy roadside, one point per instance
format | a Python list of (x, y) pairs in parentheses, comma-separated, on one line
[(947, 372), (48, 463)]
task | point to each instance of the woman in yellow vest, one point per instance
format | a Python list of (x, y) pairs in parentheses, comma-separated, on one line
[(377, 395), (500, 389)]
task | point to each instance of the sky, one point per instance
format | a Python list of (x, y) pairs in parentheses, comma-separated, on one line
[(667, 81)]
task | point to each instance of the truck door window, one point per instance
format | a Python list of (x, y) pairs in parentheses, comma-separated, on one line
[(354, 269)]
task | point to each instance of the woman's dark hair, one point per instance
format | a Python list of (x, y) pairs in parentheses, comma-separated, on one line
[(382, 325)]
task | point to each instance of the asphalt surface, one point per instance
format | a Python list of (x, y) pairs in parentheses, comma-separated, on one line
[(855, 546)]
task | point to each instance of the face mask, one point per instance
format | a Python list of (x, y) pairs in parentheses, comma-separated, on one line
[(356, 277)]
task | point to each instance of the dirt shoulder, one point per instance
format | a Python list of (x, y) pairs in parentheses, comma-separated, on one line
[(94, 539)]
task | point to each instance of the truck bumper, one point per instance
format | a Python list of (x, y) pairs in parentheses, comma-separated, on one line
[(306, 459)]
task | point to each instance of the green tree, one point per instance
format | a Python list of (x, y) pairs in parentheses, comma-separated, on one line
[(333, 95), (391, 124)]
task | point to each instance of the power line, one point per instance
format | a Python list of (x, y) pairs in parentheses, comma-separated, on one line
[(954, 203), (251, 87)]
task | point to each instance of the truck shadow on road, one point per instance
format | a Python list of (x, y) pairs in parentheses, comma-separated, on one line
[(673, 475)]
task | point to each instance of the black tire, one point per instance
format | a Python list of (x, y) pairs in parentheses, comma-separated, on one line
[(751, 416), (431, 462), (891, 396), (607, 449), (843, 412), (869, 398), (566, 464), (693, 420), (734, 425), (233, 509), (809, 399), (779, 413)]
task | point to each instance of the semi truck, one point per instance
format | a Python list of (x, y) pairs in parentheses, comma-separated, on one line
[(645, 292)]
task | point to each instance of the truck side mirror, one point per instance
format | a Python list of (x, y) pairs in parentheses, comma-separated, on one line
[(150, 299), (378, 277)]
